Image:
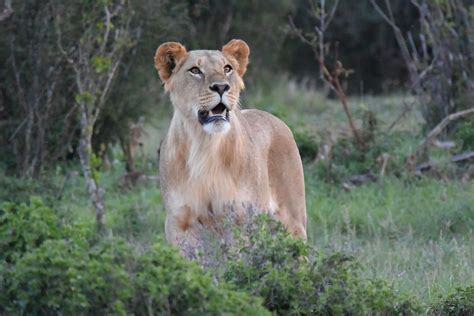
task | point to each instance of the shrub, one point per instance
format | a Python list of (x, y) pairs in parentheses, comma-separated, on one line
[(64, 277), (18, 190), (24, 227), (168, 283), (47, 267), (347, 159), (293, 279), (459, 303), (465, 133)]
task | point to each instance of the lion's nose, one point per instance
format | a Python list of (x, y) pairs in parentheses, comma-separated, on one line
[(220, 88)]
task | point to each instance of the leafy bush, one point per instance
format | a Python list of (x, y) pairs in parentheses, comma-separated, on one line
[(459, 303), (47, 267), (465, 133), (292, 279), (348, 159), (64, 277), (168, 283), (19, 190), (25, 227)]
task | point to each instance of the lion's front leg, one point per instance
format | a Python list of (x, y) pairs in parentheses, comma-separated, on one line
[(182, 232)]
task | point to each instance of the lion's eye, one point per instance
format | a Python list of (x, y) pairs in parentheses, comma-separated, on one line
[(195, 71), (227, 69)]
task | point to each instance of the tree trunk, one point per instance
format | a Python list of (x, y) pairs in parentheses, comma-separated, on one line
[(85, 155)]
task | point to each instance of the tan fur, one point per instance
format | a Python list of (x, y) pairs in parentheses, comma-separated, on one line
[(202, 175)]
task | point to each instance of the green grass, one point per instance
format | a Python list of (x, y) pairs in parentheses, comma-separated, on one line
[(300, 105), (419, 236), (416, 234)]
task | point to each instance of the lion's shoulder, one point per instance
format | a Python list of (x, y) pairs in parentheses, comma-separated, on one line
[(257, 118)]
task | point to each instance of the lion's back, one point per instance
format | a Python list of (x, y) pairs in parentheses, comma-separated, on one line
[(284, 166)]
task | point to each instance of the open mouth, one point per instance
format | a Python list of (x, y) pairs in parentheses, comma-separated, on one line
[(218, 113)]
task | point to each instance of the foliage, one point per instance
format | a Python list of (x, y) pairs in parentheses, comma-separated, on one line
[(48, 267), (465, 133), (439, 59), (355, 27), (347, 159), (419, 244), (30, 105), (64, 276), (167, 282), (459, 303), (19, 190), (25, 227), (264, 260)]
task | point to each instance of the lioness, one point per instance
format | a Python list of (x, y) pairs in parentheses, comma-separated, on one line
[(217, 156)]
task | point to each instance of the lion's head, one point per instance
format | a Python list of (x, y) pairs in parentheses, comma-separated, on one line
[(204, 85)]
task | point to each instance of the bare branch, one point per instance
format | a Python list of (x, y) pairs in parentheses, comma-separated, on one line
[(406, 108), (59, 40), (106, 89), (331, 14), (331, 78), (440, 127), (389, 9), (382, 14), (107, 29)]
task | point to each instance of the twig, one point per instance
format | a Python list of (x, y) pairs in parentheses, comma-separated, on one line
[(331, 78), (407, 108), (105, 39)]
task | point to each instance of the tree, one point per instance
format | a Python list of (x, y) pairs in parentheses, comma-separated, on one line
[(323, 18), (440, 58), (36, 124), (94, 49)]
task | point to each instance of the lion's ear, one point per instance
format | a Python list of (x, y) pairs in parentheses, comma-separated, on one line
[(167, 56), (240, 51)]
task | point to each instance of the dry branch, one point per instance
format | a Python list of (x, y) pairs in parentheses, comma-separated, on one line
[(439, 128), (331, 77)]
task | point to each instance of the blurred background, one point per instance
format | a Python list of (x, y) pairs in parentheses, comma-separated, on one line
[(379, 96)]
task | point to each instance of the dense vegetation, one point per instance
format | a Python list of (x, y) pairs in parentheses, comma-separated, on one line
[(390, 226), (53, 266), (370, 250), (41, 38)]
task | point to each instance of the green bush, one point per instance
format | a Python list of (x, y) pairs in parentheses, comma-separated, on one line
[(168, 283), (293, 279), (465, 133), (64, 277), (18, 190), (47, 267), (25, 227), (348, 159), (459, 303)]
